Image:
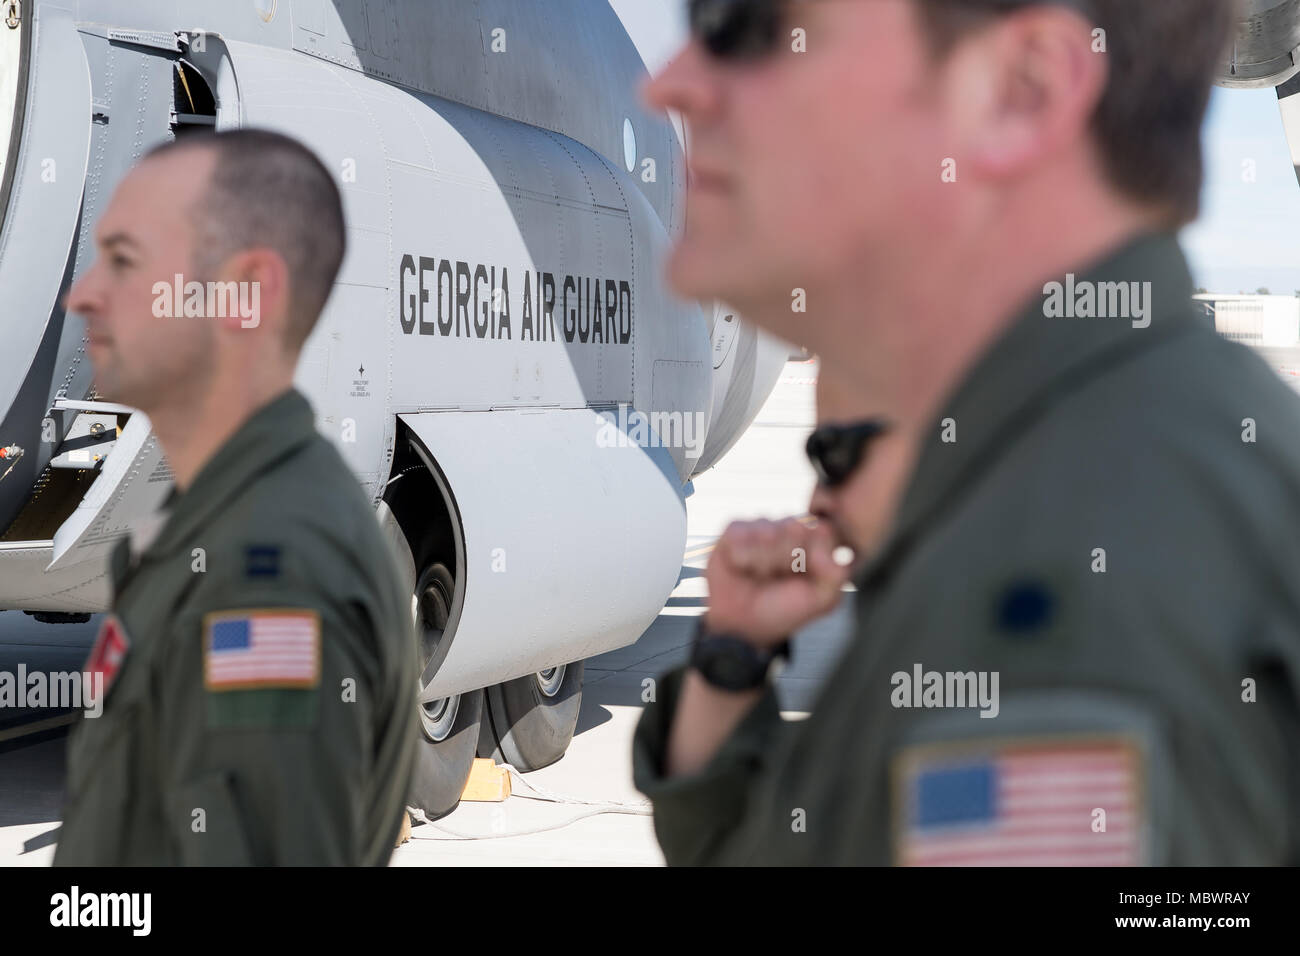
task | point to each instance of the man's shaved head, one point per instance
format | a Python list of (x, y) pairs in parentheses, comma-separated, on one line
[(268, 190)]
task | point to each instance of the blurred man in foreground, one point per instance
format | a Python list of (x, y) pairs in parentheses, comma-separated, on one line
[(258, 662), (1080, 643)]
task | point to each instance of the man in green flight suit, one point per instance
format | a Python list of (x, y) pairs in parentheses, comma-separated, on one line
[(1079, 642), (258, 662)]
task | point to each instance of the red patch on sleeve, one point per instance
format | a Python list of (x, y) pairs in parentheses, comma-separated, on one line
[(109, 651)]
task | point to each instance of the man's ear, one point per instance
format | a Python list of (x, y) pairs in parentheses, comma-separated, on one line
[(1025, 90), (262, 276)]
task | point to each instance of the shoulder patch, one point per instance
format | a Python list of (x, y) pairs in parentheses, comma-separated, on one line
[(1062, 800), (262, 648), (106, 657)]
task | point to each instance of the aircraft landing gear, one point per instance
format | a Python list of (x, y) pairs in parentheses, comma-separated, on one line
[(530, 720), (449, 726)]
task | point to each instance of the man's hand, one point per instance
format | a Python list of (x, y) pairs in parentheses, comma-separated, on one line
[(767, 579)]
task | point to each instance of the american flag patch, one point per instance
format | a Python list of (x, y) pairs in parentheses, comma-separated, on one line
[(277, 647), (1020, 804)]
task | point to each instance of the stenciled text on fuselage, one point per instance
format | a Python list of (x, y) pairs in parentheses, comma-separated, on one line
[(456, 299)]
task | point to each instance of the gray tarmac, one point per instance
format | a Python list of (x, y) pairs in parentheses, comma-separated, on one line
[(1284, 361)]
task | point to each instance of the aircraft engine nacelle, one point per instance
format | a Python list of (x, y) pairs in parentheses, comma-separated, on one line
[(549, 532), (1266, 45), (746, 365)]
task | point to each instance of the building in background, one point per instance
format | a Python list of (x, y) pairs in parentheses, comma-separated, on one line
[(1259, 320)]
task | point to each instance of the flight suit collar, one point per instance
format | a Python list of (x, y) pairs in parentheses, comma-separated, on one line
[(1029, 368), (271, 433)]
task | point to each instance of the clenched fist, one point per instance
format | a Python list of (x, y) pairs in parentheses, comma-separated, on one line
[(767, 579)]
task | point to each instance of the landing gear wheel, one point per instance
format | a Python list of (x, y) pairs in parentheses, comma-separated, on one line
[(449, 726), (532, 718), (442, 766)]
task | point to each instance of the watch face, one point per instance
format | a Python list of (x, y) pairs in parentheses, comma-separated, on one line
[(730, 663), (733, 670)]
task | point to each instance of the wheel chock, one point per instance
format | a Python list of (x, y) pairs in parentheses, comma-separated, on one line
[(487, 782)]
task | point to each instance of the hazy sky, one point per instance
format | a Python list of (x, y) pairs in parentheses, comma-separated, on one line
[(1249, 232), (657, 26)]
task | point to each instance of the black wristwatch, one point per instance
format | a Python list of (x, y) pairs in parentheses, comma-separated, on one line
[(732, 663)]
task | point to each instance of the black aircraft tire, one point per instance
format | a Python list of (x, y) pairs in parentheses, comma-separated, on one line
[(532, 729), (449, 728), (442, 767)]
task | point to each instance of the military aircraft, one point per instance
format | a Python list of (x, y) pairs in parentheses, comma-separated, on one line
[(1266, 53), (499, 363)]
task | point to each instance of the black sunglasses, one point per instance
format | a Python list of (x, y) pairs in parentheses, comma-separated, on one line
[(736, 29), (741, 30), (836, 451)]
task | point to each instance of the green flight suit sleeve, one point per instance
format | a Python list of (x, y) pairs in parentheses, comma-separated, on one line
[(268, 776), (697, 814)]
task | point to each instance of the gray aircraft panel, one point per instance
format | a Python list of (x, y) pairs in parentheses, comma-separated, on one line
[(552, 525), (1265, 44), (504, 202), (47, 189), (547, 75), (134, 481), (545, 60), (27, 584), (350, 395)]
